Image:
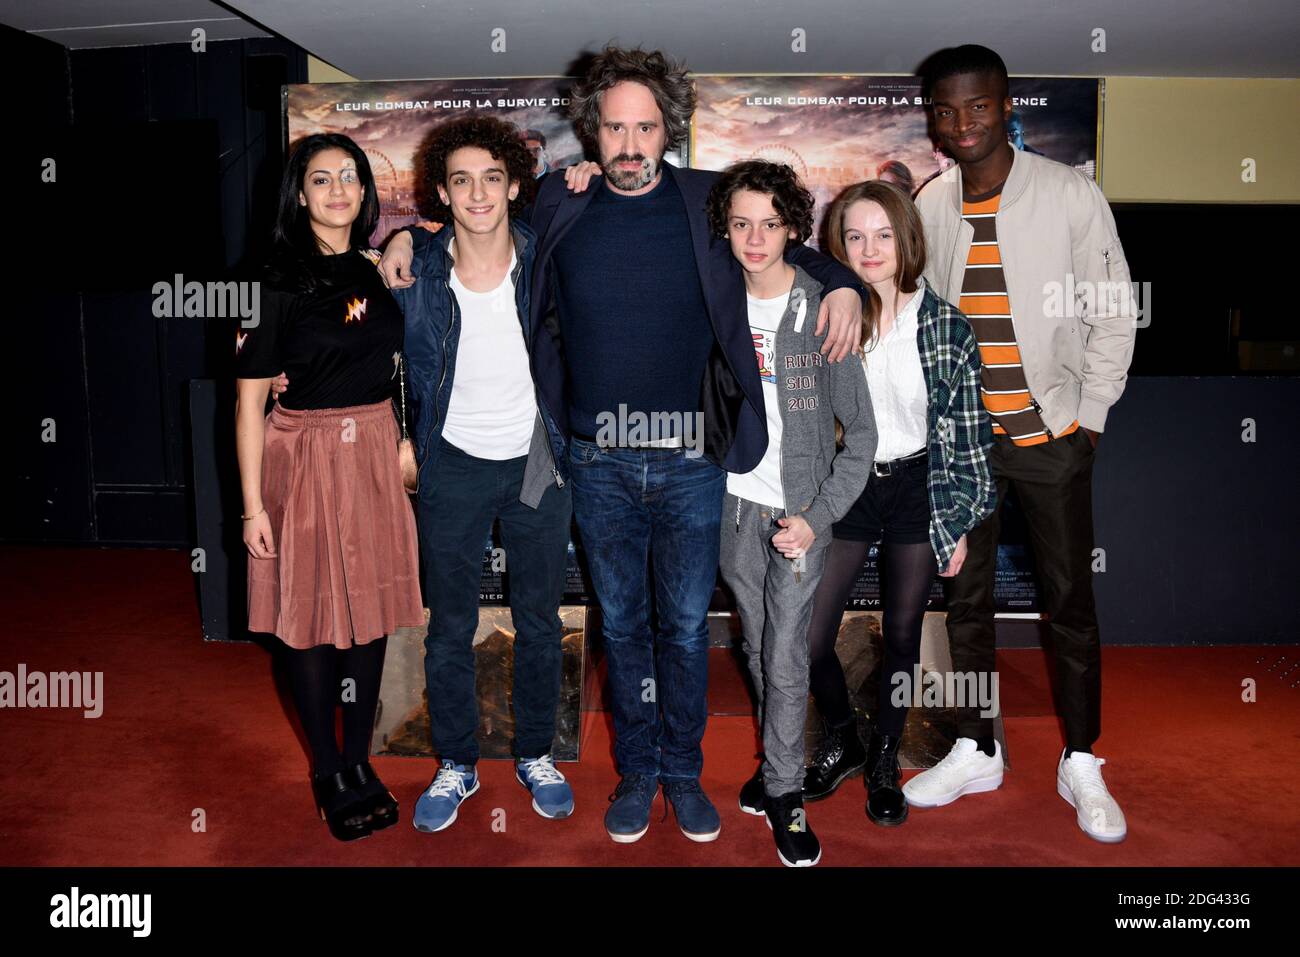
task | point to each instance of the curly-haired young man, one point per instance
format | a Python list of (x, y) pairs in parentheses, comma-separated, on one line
[(486, 447)]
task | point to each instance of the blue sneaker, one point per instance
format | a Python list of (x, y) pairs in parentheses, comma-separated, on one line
[(696, 815), (437, 807), (628, 817), (552, 796)]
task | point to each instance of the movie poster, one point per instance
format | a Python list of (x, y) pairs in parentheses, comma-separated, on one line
[(494, 580), (391, 120), (835, 131)]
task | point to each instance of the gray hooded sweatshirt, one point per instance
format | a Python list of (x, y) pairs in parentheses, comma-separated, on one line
[(819, 483)]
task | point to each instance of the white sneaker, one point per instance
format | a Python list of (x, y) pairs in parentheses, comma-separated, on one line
[(1078, 780), (964, 770)]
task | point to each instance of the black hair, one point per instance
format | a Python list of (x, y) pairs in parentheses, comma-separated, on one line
[(294, 245), (500, 139), (792, 202), (955, 61)]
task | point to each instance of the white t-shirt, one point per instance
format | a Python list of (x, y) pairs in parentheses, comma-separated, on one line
[(493, 406), (763, 484), (897, 385)]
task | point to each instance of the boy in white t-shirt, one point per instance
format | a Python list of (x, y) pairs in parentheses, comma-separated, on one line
[(488, 450), (776, 519)]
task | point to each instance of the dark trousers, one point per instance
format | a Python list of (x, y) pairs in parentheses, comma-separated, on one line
[(1053, 482), (459, 500)]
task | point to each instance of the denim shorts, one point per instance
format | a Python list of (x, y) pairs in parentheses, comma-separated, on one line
[(894, 509)]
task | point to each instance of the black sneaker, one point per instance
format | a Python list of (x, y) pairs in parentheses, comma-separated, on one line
[(840, 755), (796, 844), (751, 795)]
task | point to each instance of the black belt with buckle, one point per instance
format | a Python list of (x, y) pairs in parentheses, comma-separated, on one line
[(886, 469)]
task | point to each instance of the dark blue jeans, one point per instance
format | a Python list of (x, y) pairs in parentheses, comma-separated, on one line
[(652, 516), (459, 499)]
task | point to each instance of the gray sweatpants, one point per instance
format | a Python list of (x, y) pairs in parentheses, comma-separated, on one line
[(774, 614)]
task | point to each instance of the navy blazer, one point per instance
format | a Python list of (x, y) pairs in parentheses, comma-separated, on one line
[(731, 395)]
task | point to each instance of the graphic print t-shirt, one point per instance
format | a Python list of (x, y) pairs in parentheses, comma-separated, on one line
[(763, 484), (338, 344)]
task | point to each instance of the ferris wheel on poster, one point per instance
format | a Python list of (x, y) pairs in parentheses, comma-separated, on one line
[(780, 153), (385, 174)]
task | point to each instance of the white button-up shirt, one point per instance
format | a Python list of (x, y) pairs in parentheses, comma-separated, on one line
[(897, 384)]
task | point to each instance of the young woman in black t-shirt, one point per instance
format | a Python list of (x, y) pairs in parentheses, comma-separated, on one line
[(330, 534)]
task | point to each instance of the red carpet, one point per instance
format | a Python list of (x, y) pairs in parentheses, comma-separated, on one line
[(1203, 778)]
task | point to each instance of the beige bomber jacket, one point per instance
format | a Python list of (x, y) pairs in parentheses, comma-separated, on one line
[(1072, 301)]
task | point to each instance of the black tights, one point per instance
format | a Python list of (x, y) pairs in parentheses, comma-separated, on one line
[(907, 572), (317, 676)]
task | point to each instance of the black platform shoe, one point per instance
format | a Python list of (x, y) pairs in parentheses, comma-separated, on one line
[(341, 807), (380, 804), (751, 795), (886, 804), (841, 754)]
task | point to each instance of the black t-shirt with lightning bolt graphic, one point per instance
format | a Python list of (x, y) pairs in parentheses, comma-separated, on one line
[(338, 344)]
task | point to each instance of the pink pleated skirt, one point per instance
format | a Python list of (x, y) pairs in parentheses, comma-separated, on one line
[(346, 569)]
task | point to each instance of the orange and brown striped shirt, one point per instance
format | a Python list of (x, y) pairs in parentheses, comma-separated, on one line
[(984, 302)]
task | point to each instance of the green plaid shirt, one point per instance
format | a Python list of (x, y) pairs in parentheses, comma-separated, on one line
[(962, 493)]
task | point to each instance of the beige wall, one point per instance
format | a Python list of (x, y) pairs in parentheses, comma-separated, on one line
[(1184, 140), (318, 71), (1175, 140)]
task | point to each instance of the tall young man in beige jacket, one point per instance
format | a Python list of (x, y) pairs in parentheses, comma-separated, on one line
[(1027, 248)]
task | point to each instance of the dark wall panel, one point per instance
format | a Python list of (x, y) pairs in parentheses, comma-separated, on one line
[(124, 372), (159, 150), (47, 484), (110, 85), (1199, 527), (171, 81)]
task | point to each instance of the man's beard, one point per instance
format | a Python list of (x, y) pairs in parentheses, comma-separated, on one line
[(630, 180)]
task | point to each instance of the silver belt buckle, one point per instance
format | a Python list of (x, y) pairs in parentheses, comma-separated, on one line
[(881, 469), (673, 442)]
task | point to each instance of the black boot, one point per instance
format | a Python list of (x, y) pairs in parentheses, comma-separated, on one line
[(751, 795), (841, 754), (886, 804)]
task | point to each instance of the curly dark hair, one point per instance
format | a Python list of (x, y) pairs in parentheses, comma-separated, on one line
[(792, 202), (667, 80), (501, 139)]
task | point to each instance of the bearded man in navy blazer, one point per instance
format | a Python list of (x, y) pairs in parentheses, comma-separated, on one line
[(641, 350)]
